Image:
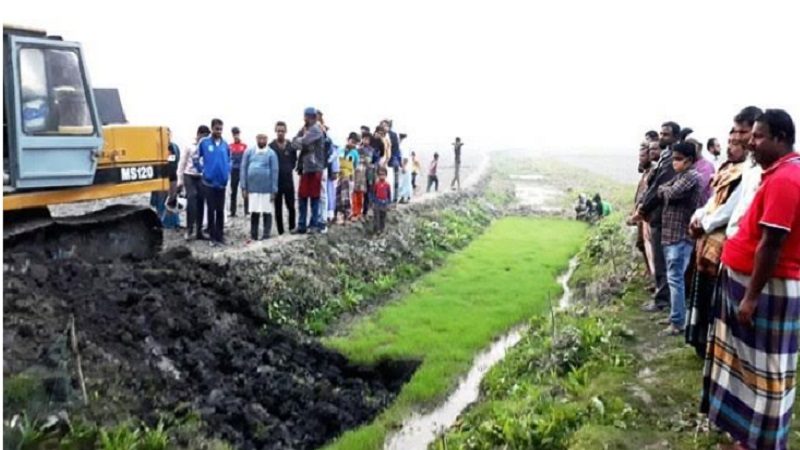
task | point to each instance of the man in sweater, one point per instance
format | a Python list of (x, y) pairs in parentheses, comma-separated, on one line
[(259, 184), (213, 153), (237, 149), (287, 160)]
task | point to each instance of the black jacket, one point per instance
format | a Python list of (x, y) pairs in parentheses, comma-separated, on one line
[(287, 162), (377, 145), (651, 204), (395, 160)]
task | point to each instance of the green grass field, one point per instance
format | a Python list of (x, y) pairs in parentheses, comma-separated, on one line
[(502, 279)]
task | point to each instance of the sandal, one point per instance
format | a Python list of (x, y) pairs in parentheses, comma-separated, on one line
[(671, 330)]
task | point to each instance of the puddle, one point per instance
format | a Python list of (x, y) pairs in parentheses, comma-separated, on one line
[(531, 191), (527, 177), (534, 195), (563, 280), (419, 430)]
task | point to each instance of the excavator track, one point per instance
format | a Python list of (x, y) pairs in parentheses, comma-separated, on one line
[(116, 232)]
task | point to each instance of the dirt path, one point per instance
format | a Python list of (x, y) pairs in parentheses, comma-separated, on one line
[(237, 229)]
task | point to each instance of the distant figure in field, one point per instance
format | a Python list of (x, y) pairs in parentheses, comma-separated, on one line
[(433, 178), (416, 168), (457, 174)]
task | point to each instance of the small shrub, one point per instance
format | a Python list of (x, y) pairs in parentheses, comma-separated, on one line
[(120, 437)]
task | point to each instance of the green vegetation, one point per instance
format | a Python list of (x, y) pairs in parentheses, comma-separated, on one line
[(525, 404), (438, 236), (24, 433), (598, 377), (357, 274), (503, 278), (606, 255)]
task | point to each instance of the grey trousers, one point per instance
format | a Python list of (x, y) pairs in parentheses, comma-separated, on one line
[(195, 204)]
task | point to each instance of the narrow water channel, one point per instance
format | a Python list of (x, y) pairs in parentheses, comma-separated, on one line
[(419, 430)]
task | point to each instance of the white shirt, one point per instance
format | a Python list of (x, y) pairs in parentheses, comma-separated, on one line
[(721, 216), (186, 164), (751, 180)]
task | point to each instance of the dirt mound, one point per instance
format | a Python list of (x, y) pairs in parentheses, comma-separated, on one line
[(179, 334)]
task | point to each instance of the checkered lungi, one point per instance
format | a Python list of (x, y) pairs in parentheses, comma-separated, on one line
[(749, 374)]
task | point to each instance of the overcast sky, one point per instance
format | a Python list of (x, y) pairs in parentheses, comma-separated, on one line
[(562, 75)]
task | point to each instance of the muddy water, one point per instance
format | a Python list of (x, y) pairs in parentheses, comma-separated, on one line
[(563, 280), (419, 430), (531, 190)]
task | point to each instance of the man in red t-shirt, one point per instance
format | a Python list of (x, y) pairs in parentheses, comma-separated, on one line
[(749, 375), (237, 149)]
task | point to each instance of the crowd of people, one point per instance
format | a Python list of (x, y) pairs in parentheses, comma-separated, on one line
[(722, 242), (335, 184)]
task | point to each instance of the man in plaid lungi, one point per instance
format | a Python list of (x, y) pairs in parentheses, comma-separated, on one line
[(751, 360)]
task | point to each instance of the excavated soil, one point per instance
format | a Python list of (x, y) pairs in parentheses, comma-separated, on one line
[(178, 334)]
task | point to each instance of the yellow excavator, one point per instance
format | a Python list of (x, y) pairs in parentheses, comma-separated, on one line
[(64, 142)]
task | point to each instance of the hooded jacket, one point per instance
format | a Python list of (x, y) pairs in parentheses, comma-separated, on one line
[(313, 156)]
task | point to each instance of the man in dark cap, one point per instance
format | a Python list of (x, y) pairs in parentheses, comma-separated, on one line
[(310, 140)]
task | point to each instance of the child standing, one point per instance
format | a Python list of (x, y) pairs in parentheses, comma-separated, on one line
[(404, 194), (347, 162), (381, 198), (432, 177), (359, 188)]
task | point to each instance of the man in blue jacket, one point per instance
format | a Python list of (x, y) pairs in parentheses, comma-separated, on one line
[(214, 154)]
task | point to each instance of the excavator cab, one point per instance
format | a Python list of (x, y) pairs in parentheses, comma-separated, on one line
[(52, 125), (58, 149)]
